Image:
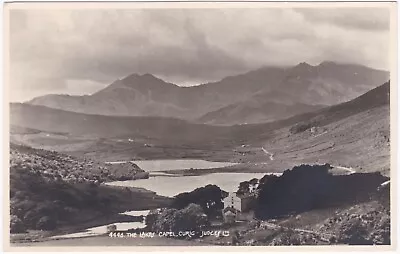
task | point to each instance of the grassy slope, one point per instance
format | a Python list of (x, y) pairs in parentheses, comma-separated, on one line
[(353, 134), (36, 192)]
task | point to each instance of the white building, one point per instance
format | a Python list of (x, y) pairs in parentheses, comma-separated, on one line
[(233, 201), (237, 208)]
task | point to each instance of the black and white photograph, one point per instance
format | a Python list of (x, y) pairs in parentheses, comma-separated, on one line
[(200, 124)]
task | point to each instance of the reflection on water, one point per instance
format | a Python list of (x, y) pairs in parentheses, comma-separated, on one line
[(154, 173)]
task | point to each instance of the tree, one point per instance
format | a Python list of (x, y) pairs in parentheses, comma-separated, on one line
[(16, 225), (208, 197), (151, 218), (244, 187), (191, 218), (46, 223)]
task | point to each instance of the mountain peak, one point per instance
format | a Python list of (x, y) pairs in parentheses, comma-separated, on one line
[(328, 63), (144, 82), (148, 75), (333, 64), (301, 68), (135, 76), (304, 64), (141, 78)]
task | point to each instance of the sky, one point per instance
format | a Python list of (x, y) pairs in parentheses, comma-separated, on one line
[(82, 51)]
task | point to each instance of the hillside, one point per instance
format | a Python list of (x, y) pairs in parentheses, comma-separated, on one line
[(111, 138), (53, 191), (255, 111), (99, 126), (56, 166), (302, 87), (354, 134), (341, 133)]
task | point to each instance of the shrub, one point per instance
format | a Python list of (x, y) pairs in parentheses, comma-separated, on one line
[(208, 197), (151, 218), (191, 218), (16, 225), (46, 223), (300, 127), (31, 218)]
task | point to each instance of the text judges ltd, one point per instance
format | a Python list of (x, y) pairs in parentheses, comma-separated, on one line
[(216, 233)]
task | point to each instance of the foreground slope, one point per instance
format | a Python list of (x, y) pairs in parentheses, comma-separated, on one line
[(49, 191)]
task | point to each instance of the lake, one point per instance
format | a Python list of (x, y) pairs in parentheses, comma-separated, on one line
[(100, 230), (166, 165), (166, 185), (171, 186)]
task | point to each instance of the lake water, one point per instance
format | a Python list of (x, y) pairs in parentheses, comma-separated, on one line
[(171, 186), (166, 185), (100, 230), (165, 165)]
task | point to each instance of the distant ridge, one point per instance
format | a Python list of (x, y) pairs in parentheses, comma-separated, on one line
[(263, 95), (53, 120)]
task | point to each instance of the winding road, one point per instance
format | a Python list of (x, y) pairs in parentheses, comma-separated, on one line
[(271, 155), (323, 236), (350, 170)]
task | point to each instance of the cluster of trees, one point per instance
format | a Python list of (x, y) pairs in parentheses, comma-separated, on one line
[(209, 198), (188, 212), (191, 218), (247, 187), (301, 127), (305, 125), (308, 187)]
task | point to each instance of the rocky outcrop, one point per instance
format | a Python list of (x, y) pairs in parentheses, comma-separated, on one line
[(362, 224), (58, 166), (127, 171)]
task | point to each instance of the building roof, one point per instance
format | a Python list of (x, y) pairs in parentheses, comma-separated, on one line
[(230, 209), (229, 213)]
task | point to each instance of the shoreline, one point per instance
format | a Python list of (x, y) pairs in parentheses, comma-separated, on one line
[(153, 201), (101, 219)]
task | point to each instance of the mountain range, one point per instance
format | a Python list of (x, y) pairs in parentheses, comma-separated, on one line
[(264, 95), (60, 122)]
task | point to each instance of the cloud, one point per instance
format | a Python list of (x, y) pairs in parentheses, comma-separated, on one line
[(351, 18), (49, 48)]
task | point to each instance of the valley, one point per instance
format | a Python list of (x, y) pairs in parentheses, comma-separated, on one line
[(101, 157), (353, 134), (194, 124)]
